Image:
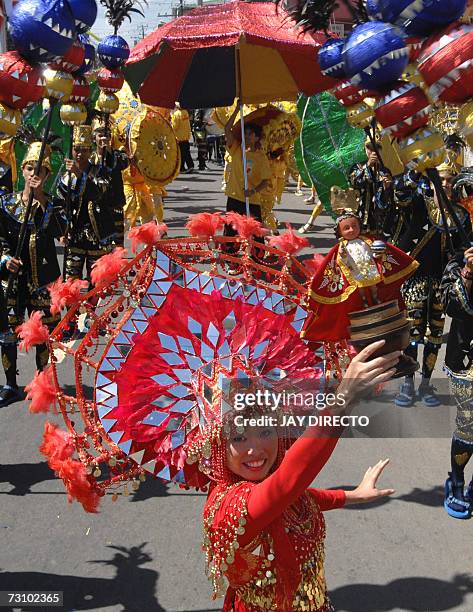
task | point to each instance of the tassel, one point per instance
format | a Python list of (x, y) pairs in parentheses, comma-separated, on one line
[(41, 391), (247, 227), (65, 294), (106, 269), (205, 224), (32, 332), (289, 242), (148, 233)]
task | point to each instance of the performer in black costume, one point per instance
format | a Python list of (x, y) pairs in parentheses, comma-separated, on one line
[(457, 294), (91, 228), (423, 236), (375, 186), (110, 164), (37, 266)]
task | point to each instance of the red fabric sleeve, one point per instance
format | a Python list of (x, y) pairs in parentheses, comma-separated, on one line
[(303, 461), (329, 499)]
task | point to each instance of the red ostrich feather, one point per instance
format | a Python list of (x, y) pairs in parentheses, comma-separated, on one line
[(32, 331), (106, 269), (58, 448), (64, 294), (247, 227), (78, 484), (289, 242), (205, 224), (148, 234), (314, 264), (57, 444), (41, 391)]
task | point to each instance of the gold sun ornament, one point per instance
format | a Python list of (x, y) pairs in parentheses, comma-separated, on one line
[(154, 147)]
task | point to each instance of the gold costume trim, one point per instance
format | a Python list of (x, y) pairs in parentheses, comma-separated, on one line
[(90, 208), (402, 273), (422, 242), (335, 300)]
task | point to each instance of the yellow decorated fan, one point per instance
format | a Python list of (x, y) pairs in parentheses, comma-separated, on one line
[(154, 147), (129, 109), (281, 131)]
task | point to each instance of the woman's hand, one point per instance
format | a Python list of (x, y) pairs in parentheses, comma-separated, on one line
[(13, 265), (367, 491), (71, 166), (469, 259), (365, 373)]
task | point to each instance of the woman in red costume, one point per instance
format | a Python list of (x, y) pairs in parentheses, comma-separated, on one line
[(163, 395), (263, 525)]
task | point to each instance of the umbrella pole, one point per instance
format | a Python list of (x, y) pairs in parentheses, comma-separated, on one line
[(242, 126)]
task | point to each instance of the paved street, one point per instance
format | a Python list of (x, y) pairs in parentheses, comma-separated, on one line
[(143, 552)]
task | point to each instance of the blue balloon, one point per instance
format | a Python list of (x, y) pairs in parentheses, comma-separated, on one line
[(417, 17), (42, 30), (89, 58), (331, 59), (85, 14), (375, 55), (113, 51)]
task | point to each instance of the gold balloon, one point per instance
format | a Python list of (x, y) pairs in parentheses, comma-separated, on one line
[(107, 103), (422, 149), (10, 120), (359, 115), (465, 123), (58, 84), (73, 114)]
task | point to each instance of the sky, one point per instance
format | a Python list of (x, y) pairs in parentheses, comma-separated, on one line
[(134, 31)]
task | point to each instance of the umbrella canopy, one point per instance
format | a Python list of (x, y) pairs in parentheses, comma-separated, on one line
[(193, 60)]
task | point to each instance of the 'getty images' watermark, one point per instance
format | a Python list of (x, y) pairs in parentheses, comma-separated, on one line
[(274, 401)]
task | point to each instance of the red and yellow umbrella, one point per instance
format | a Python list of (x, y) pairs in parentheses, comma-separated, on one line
[(195, 58)]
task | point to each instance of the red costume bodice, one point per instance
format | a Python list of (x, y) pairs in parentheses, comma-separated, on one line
[(267, 538)]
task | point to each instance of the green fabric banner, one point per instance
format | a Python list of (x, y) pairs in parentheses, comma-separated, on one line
[(328, 146)]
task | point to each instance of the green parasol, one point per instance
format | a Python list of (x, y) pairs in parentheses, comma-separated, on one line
[(328, 146)]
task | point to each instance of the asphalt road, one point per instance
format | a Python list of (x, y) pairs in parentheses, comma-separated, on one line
[(143, 552)]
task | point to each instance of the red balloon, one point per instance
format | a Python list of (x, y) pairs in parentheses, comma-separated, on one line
[(403, 110), (110, 81), (80, 91), (348, 94), (72, 60), (446, 64), (20, 83), (414, 44)]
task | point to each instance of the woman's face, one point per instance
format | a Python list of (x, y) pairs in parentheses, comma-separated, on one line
[(447, 177), (252, 454)]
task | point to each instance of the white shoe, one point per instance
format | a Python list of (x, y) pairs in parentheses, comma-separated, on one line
[(305, 228)]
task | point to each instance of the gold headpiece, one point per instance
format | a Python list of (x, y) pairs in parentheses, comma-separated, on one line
[(32, 155), (82, 136), (449, 165), (99, 123)]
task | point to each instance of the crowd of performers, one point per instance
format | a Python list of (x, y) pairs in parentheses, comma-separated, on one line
[(85, 214), (263, 503)]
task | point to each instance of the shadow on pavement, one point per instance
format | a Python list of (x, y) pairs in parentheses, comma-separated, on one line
[(22, 476), (432, 497), (414, 593), (132, 587), (150, 488)]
